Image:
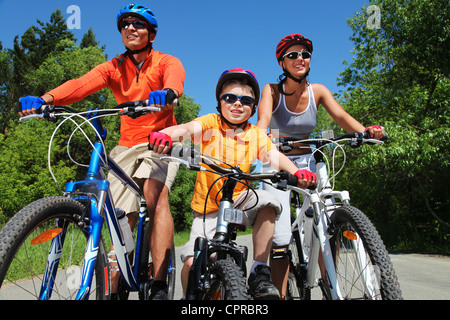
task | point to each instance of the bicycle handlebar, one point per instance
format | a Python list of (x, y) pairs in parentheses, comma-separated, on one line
[(190, 157), (132, 109), (356, 139)]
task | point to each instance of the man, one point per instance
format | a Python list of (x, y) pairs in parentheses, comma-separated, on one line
[(140, 73)]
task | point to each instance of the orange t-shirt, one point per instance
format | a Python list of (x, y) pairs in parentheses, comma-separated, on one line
[(128, 83), (234, 147)]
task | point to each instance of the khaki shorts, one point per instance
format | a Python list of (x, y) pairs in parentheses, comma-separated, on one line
[(139, 164), (283, 233), (208, 230)]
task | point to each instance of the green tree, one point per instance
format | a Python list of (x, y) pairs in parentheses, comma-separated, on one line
[(24, 176), (399, 78), (89, 40), (45, 57), (6, 100)]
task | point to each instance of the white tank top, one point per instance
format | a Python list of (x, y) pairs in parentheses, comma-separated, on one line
[(292, 124)]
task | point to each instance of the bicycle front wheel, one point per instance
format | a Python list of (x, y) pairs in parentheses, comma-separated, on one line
[(297, 288), (227, 282), (48, 235), (363, 267)]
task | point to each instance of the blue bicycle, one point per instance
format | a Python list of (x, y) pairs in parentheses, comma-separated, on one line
[(54, 248)]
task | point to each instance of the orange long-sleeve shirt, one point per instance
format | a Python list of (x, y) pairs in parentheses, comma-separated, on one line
[(128, 83)]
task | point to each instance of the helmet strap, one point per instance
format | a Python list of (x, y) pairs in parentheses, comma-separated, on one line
[(149, 45), (219, 109), (288, 75), (130, 52)]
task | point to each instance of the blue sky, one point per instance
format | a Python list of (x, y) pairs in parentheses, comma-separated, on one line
[(209, 36)]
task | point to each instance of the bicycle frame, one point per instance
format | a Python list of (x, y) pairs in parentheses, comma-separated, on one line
[(95, 192), (320, 239), (221, 244)]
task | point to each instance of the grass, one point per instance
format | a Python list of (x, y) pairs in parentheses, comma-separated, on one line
[(35, 256)]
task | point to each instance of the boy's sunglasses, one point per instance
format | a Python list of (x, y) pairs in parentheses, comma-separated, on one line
[(232, 98), (295, 54), (136, 24)]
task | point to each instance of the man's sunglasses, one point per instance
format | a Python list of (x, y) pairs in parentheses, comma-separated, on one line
[(295, 54), (136, 24), (232, 98)]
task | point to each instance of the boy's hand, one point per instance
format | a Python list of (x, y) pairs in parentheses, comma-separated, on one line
[(305, 178), (159, 142)]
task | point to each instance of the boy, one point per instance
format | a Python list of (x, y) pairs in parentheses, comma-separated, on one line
[(229, 137)]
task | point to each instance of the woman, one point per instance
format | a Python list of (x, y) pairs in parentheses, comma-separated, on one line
[(289, 108)]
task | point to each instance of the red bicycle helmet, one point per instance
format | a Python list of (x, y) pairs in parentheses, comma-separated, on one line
[(238, 73), (290, 41)]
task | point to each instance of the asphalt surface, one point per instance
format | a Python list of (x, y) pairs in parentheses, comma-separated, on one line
[(421, 277)]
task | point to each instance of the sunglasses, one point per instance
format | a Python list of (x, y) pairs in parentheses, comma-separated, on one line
[(232, 98), (295, 54), (136, 24)]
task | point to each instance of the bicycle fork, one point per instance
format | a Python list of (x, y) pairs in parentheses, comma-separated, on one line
[(320, 232)]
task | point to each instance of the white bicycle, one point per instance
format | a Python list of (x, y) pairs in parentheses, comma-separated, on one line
[(335, 246)]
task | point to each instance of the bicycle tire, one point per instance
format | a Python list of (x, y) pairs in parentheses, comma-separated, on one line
[(297, 288), (227, 282), (23, 259), (351, 229)]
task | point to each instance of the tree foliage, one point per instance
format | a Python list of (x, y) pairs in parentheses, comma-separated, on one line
[(43, 58), (399, 78)]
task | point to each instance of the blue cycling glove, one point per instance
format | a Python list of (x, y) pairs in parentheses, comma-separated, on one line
[(31, 102), (157, 97)]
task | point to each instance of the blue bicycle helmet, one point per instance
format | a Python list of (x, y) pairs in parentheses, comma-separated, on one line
[(140, 11)]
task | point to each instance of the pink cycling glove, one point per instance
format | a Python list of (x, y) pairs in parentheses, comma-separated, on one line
[(160, 139), (306, 175)]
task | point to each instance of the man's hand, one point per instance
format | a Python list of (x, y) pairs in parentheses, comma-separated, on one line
[(30, 105), (162, 99)]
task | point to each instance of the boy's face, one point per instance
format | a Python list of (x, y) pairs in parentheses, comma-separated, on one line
[(236, 112)]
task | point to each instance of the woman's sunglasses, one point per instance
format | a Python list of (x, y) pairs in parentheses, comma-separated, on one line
[(136, 24), (232, 98), (295, 54)]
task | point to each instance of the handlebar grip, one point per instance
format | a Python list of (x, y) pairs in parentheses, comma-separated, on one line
[(182, 152), (286, 176), (19, 106), (291, 179), (146, 103)]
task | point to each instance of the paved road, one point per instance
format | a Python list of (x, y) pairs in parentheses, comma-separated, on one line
[(421, 277)]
